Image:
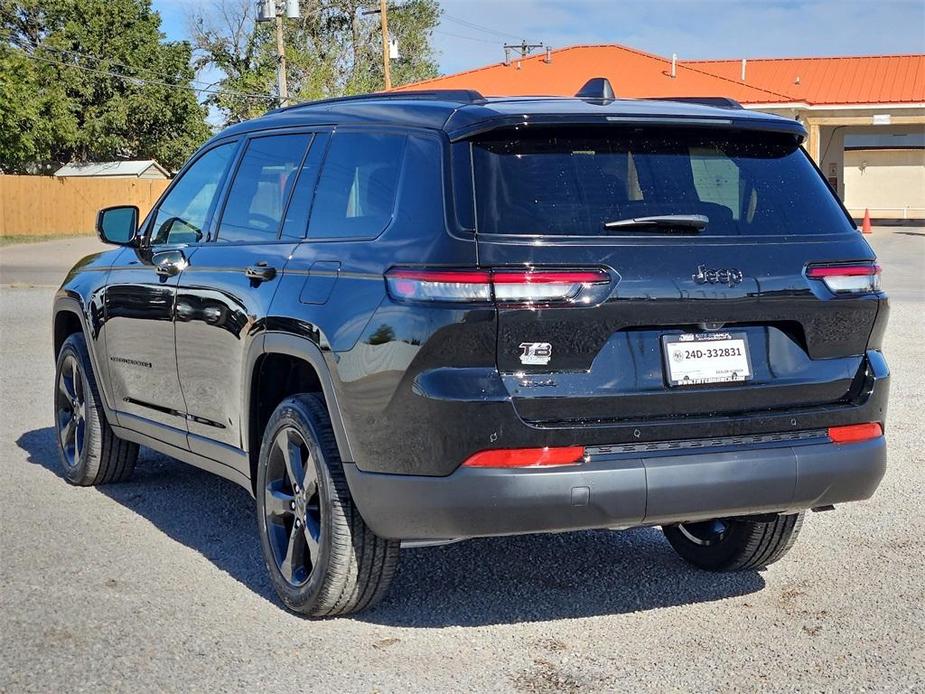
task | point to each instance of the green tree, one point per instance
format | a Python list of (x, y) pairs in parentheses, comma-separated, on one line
[(85, 80), (333, 49), (228, 39)]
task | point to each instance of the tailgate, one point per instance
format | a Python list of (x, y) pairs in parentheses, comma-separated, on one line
[(545, 199), (607, 362)]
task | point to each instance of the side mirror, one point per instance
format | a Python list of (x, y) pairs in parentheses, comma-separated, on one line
[(117, 225)]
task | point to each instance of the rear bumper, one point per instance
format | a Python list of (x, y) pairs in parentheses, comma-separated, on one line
[(428, 422), (619, 490)]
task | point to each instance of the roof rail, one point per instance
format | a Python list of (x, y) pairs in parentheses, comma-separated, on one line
[(462, 96), (716, 101)]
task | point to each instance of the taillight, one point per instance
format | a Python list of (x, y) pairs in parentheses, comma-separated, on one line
[(847, 279), (439, 285), (527, 457), (500, 285), (853, 433)]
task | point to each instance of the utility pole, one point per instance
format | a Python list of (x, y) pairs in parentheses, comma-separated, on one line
[(524, 48), (267, 12), (282, 85), (386, 61), (386, 53)]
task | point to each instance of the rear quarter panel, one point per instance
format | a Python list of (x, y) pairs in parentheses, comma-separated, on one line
[(332, 292)]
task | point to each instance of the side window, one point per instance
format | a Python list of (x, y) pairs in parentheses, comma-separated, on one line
[(296, 223), (716, 178), (355, 197), (182, 214), (261, 187)]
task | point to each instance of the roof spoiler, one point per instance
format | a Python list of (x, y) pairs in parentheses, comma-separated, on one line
[(597, 88)]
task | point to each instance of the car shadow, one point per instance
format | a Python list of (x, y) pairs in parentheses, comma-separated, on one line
[(206, 513), (474, 583)]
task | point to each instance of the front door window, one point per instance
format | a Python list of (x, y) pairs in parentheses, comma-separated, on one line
[(182, 214)]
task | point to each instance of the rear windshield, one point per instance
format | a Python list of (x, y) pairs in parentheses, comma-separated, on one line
[(565, 182)]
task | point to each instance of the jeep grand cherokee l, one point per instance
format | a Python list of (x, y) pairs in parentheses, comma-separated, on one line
[(422, 317)]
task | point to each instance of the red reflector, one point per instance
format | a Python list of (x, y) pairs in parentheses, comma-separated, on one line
[(842, 271), (855, 432), (527, 457)]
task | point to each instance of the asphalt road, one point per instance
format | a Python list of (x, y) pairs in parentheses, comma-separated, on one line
[(157, 584)]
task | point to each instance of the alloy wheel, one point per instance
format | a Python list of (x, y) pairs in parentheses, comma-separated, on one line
[(71, 410), (292, 507)]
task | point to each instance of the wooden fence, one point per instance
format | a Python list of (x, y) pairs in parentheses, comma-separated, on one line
[(45, 205)]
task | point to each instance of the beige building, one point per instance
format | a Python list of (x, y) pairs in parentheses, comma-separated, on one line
[(885, 181)]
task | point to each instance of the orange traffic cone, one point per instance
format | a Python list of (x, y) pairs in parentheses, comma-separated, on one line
[(865, 225)]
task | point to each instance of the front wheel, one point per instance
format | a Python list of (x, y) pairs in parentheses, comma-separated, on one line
[(734, 544), (322, 558), (89, 450)]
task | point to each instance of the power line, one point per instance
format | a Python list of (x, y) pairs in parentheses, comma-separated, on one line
[(478, 27), (143, 81), (88, 56), (468, 38)]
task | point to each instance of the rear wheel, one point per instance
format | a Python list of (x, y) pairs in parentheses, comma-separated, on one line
[(89, 450), (322, 558), (734, 544)]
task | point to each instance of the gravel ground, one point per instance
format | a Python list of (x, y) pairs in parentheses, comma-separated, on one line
[(157, 584)]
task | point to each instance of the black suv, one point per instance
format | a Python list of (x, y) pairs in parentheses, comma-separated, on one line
[(423, 317)]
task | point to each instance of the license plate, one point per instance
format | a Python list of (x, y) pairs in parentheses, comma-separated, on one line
[(699, 358)]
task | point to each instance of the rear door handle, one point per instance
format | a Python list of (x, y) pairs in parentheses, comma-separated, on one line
[(260, 272)]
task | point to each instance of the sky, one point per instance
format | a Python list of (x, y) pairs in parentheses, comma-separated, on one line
[(472, 32)]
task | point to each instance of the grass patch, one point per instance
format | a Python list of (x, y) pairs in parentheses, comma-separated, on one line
[(35, 238)]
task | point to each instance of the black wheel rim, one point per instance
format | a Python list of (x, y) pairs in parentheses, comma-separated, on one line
[(71, 410), (292, 507), (705, 533)]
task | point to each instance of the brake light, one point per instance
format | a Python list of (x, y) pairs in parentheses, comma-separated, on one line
[(500, 285), (847, 279), (853, 433), (527, 457)]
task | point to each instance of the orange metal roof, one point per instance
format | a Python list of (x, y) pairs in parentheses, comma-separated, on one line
[(634, 73), (876, 79)]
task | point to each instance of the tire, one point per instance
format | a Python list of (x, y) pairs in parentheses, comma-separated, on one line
[(90, 452), (322, 558), (734, 544)]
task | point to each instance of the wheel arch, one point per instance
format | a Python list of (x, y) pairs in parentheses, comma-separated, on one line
[(67, 322), (68, 318), (302, 363)]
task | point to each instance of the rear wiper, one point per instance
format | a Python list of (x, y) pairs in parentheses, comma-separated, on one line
[(682, 222)]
